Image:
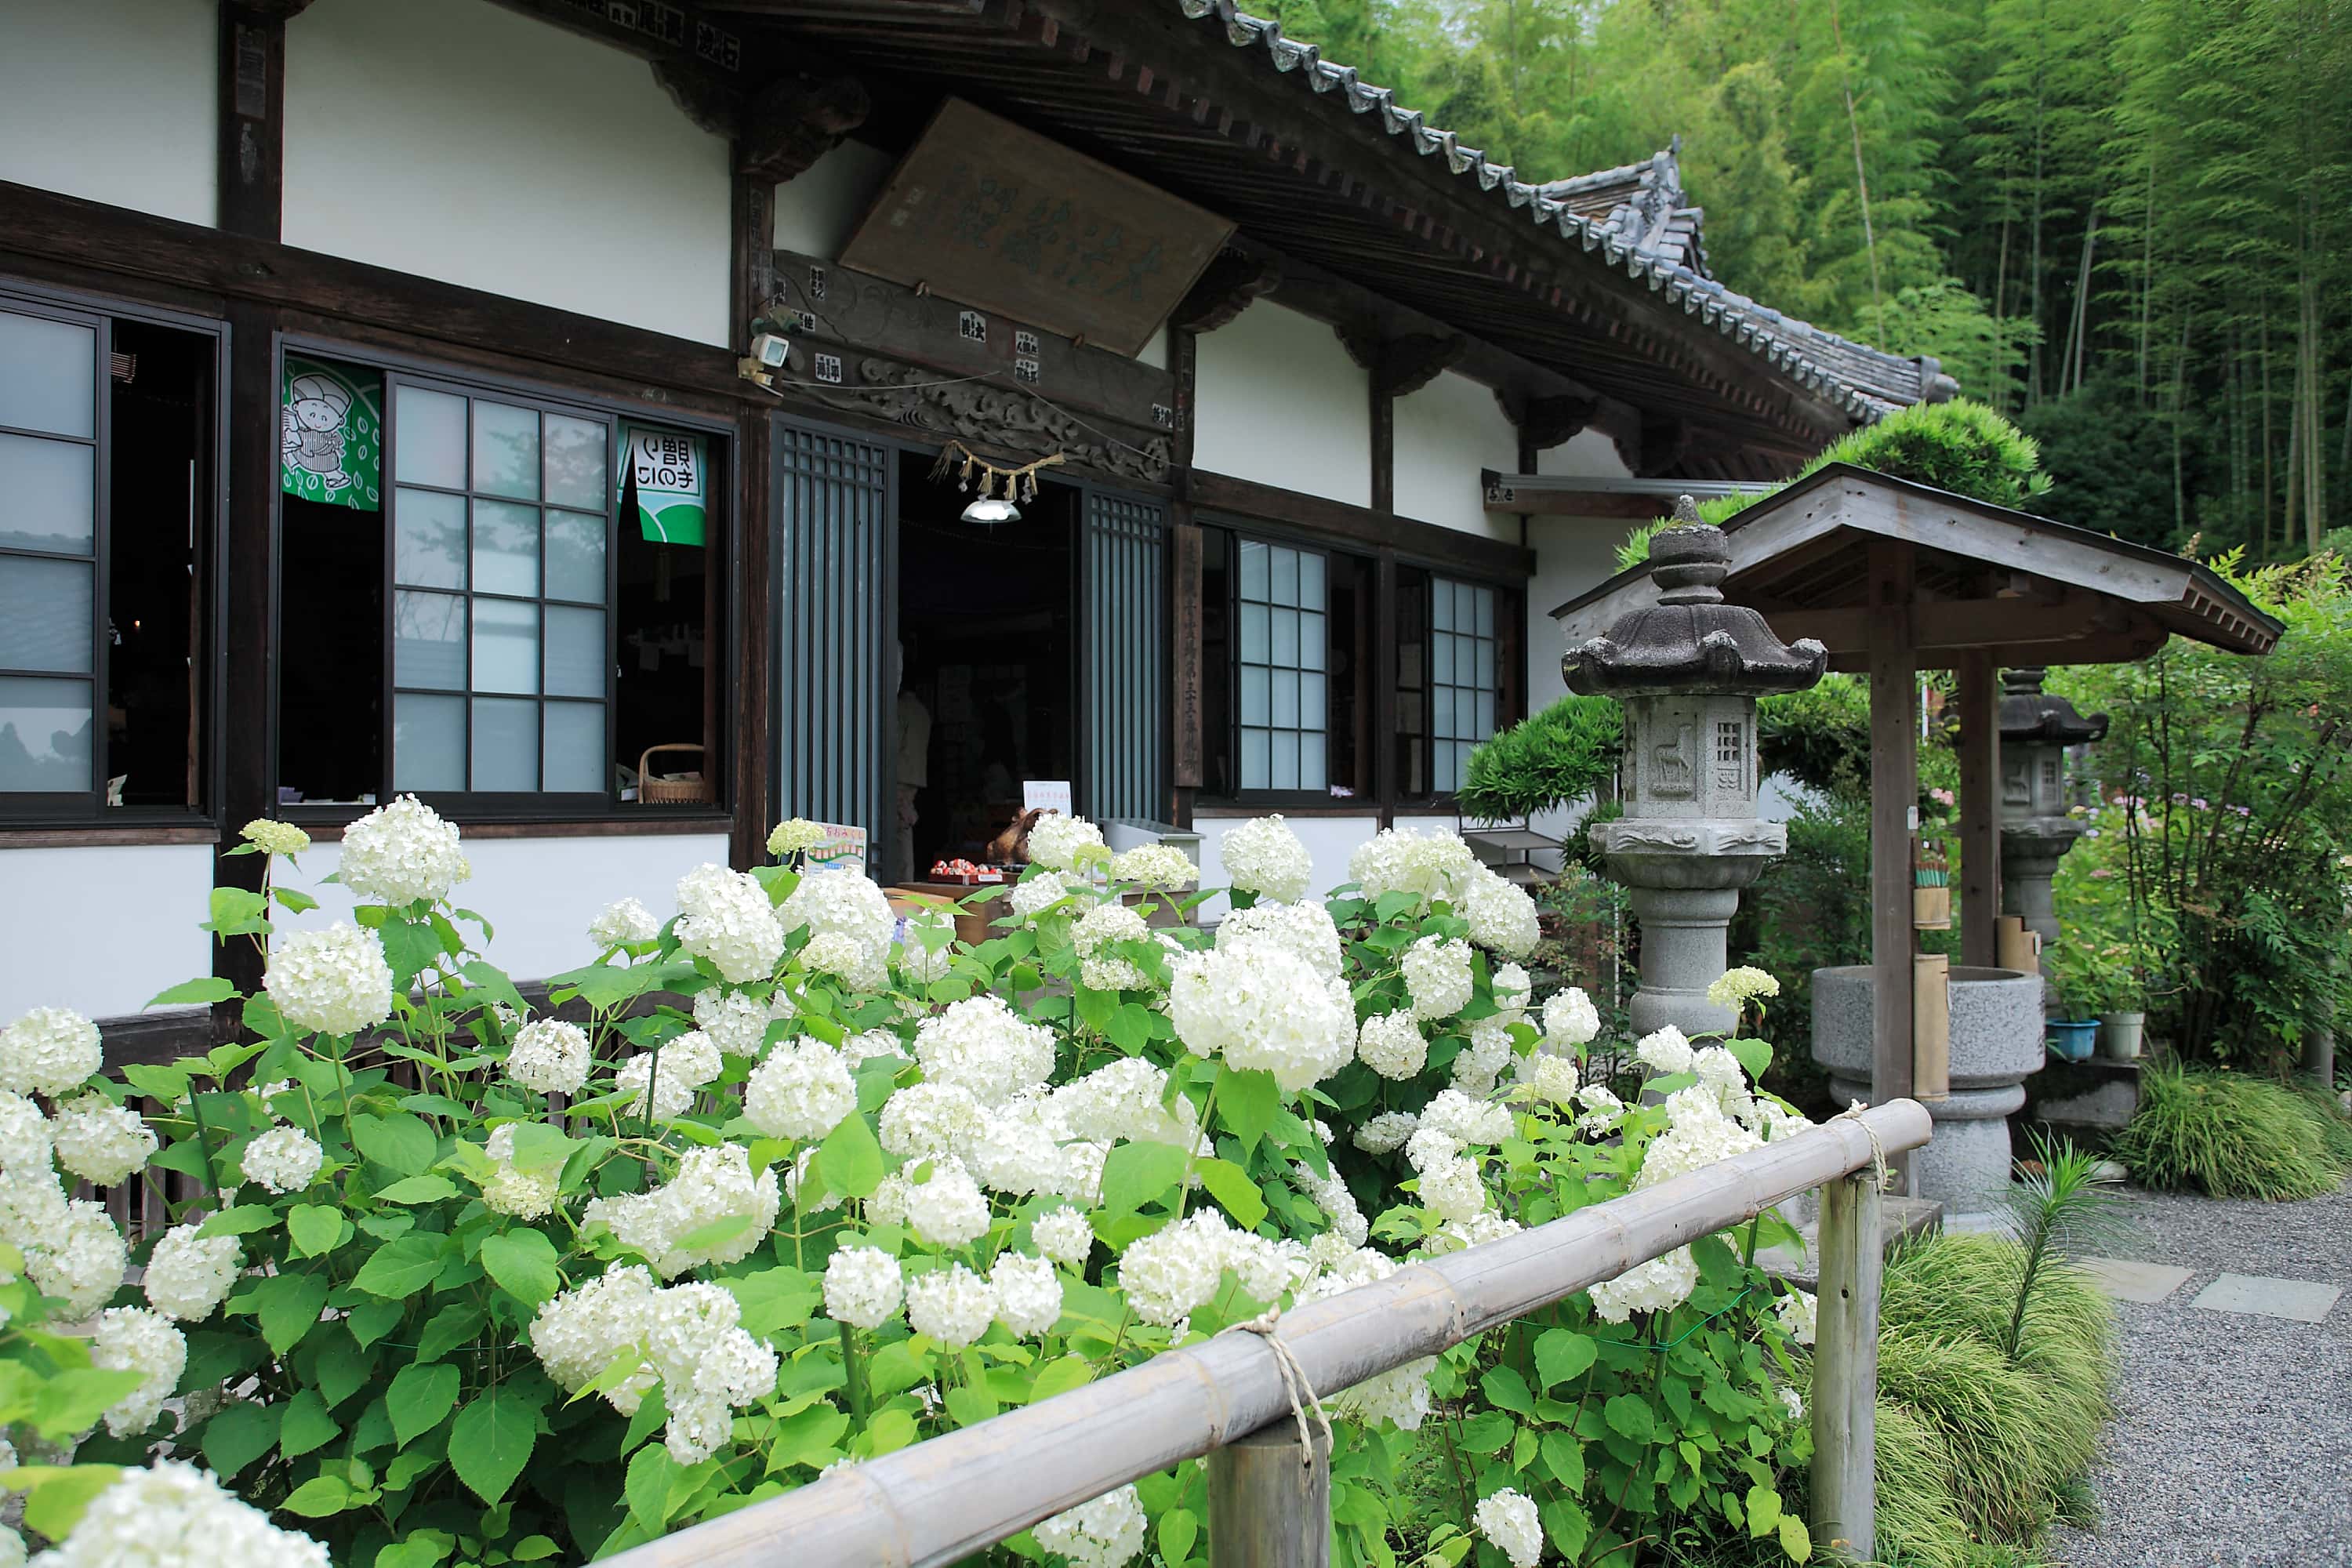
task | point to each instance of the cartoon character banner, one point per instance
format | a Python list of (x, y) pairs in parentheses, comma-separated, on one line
[(330, 433), (663, 478)]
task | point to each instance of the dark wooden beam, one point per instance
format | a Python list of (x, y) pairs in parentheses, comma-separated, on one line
[(1411, 539), (1894, 798), (1549, 421), (1978, 700), (1407, 364), (247, 728), (1950, 627), (253, 118), (751, 603), (1505, 497), (1226, 287), (751, 255), (1383, 410), (790, 124), (1187, 659)]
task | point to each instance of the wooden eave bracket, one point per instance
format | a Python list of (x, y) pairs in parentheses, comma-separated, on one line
[(795, 121), (1232, 281)]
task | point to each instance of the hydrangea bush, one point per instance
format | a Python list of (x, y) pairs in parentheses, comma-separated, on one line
[(785, 1182)]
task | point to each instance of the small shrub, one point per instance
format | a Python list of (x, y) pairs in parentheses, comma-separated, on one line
[(2229, 1135), (1547, 760)]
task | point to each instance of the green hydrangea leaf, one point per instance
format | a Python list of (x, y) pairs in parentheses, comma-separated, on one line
[(494, 1437), (239, 1434), (523, 1261), (421, 1395)]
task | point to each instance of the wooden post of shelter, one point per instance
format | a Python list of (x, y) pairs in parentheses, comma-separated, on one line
[(1894, 799), (1270, 1500), (1845, 1370), (1979, 703)]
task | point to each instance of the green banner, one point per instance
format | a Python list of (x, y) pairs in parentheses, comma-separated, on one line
[(664, 479), (330, 433)]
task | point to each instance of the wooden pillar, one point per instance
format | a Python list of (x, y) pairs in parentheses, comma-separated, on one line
[(1187, 660), (1385, 783), (252, 146), (1894, 801), (751, 262), (1270, 1500), (1979, 703), (1383, 447), (750, 598), (1845, 1372)]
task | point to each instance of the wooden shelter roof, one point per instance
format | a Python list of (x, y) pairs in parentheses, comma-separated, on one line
[(2025, 589)]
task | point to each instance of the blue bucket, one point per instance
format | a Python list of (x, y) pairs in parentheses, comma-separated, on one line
[(2073, 1039)]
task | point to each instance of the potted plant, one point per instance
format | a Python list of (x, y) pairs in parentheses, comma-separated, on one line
[(2083, 973)]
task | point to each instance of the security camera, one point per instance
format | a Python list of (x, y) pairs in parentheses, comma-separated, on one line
[(771, 350)]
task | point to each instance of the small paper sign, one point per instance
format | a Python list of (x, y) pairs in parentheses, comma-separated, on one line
[(664, 479), (1054, 795), (843, 848), (330, 433)]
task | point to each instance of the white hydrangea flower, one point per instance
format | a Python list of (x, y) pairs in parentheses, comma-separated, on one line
[(1665, 1050), (1452, 1189), (843, 902), (737, 1021), (331, 982), (1465, 1119), (1303, 928), (1479, 1065), (576, 1335), (80, 1259), (1168, 1273), (1019, 1148), (1160, 867), (863, 1286), (658, 1095), (1038, 892), (1028, 1293), (1792, 1402), (1735, 988), (32, 1206), (1082, 1172), (1400, 859), (1570, 1020), (25, 1140), (1457, 1236), (1799, 1311), (401, 853), (1430, 1147), (692, 1058), (526, 1195), (923, 961), (1098, 929), (132, 1339), (1265, 1268), (1697, 1133), (101, 1141), (868, 1044), (951, 1305), (1261, 1005), (1437, 975), (1601, 1109), (623, 923), (1105, 1533), (793, 835), (948, 1210), (188, 1275), (1773, 1121), (49, 1050), (1509, 1519), (1501, 916), (1061, 843), (1063, 1234), (709, 1365), (1512, 989), (284, 1159), (710, 1185), (13, 1553), (175, 1514), (1392, 1044), (802, 1090), (1720, 1071), (726, 917), (1339, 1204), (1661, 1285), (983, 1046), (275, 837), (1400, 1398), (1552, 1077), (928, 1120), (549, 1055), (1266, 858), (857, 967), (1386, 1134), (1121, 1102)]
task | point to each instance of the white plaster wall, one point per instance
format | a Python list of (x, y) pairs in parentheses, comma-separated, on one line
[(1281, 403), (818, 209), (466, 143), (1445, 434), (1328, 839), (115, 100), (1587, 455), (100, 929), (539, 894)]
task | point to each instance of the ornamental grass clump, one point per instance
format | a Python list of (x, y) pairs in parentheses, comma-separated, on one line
[(777, 1183), (2228, 1134)]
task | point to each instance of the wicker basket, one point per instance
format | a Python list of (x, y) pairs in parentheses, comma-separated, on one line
[(652, 791)]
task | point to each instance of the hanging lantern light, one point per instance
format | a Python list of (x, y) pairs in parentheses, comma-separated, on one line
[(1000, 489)]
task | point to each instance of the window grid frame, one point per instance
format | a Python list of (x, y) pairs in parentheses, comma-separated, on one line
[(540, 405), (1450, 746), (1239, 665)]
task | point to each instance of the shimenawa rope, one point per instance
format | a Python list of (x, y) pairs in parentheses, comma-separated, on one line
[(1294, 1379)]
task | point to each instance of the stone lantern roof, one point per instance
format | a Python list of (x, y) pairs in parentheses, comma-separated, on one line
[(2028, 713), (1691, 640)]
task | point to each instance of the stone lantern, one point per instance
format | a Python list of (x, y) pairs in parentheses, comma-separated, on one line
[(2035, 831), (1687, 672)]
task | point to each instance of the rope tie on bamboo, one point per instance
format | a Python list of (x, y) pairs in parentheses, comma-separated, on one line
[(1877, 1150), (1294, 1379)]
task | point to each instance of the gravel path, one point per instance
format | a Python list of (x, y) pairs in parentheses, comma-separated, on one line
[(2233, 1444)]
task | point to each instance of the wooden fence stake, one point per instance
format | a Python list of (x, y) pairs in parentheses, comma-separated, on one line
[(1845, 1372), (1267, 1508)]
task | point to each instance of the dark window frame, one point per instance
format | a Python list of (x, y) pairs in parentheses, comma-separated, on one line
[(722, 536), (71, 811)]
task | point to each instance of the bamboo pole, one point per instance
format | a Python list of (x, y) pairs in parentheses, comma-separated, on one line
[(940, 1501), (1845, 1370), (1270, 1500)]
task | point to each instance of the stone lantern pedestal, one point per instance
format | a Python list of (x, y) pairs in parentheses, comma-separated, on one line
[(2035, 831), (1687, 672)]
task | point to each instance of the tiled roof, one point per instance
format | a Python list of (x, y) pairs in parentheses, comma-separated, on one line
[(1631, 217)]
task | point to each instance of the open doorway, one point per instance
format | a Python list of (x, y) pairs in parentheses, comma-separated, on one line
[(988, 686)]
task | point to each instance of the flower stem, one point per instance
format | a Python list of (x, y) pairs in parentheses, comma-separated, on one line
[(853, 1372)]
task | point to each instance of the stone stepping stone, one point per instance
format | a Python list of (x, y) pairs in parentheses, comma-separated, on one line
[(2298, 1300), (2128, 1280)]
